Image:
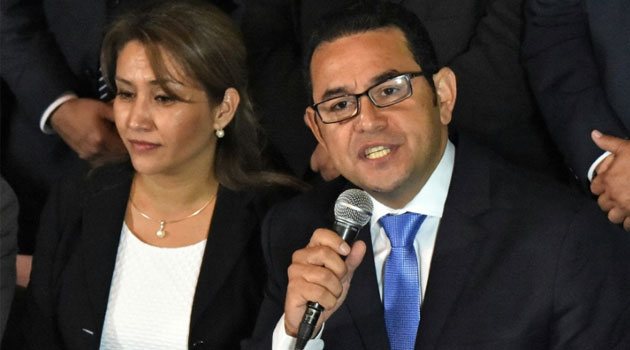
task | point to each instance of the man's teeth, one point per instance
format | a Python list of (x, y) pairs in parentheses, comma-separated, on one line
[(376, 152)]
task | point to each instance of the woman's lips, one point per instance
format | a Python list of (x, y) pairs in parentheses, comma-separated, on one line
[(143, 146)]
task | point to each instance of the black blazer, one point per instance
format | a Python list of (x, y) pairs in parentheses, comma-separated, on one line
[(76, 253), (518, 264), (577, 53), (478, 39)]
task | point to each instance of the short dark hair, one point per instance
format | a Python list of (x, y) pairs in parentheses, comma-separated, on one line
[(359, 18), (208, 47)]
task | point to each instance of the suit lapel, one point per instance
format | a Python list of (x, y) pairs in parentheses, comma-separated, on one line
[(103, 215), (230, 230), (364, 301), (457, 245)]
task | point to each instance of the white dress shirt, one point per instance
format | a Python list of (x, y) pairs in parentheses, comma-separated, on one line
[(430, 202)]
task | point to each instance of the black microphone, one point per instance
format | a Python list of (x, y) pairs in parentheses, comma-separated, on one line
[(353, 210)]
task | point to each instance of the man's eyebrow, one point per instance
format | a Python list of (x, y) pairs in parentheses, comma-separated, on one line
[(384, 76), (340, 91)]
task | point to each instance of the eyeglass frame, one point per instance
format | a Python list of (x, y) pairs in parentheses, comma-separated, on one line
[(408, 76)]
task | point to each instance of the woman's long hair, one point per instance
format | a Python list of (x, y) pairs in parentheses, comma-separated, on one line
[(209, 49)]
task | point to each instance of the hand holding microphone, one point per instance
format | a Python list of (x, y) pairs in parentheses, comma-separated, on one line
[(319, 277)]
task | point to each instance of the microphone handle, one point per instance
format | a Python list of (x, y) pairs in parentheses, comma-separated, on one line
[(348, 233)]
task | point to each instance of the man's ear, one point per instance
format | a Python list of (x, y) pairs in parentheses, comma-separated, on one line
[(224, 111), (311, 120), (446, 90)]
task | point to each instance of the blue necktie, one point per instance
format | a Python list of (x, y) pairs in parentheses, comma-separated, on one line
[(401, 290)]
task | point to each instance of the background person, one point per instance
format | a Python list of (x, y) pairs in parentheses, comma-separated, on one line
[(8, 249), (579, 73)]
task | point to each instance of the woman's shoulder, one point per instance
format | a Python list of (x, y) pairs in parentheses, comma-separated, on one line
[(259, 199)]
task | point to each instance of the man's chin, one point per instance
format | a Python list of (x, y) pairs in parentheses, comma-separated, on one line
[(382, 187)]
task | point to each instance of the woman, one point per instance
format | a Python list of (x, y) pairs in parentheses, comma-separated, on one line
[(164, 253)]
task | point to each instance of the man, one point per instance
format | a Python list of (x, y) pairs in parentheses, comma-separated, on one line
[(577, 59), (502, 259), (479, 40)]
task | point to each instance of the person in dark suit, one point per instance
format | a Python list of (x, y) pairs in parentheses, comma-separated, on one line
[(164, 251), (8, 248), (580, 76), (500, 257), (479, 40)]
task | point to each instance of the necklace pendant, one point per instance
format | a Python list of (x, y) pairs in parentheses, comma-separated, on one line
[(161, 233)]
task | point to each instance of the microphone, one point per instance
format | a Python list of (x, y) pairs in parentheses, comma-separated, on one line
[(353, 210)]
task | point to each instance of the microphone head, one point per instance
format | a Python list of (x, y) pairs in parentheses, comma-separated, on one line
[(354, 207)]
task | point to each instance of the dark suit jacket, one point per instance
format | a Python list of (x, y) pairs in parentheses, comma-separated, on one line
[(478, 39), (48, 47), (76, 253), (577, 56), (518, 264), (8, 249)]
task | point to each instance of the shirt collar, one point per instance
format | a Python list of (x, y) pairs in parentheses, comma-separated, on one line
[(431, 198)]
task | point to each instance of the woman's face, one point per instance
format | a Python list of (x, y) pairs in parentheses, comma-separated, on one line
[(163, 134)]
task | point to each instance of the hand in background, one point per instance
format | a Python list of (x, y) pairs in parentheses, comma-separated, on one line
[(318, 273), (612, 182), (87, 126), (321, 163)]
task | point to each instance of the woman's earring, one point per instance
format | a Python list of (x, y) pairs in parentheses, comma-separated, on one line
[(220, 133)]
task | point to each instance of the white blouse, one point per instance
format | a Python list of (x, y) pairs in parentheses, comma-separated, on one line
[(151, 295)]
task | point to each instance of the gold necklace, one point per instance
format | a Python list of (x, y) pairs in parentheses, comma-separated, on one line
[(161, 233)]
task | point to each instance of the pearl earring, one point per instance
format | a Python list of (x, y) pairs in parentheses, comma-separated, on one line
[(220, 133)]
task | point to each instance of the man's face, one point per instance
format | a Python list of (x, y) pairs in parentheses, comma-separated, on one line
[(389, 152)]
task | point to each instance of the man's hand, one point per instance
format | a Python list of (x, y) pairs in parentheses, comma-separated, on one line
[(86, 125), (318, 273), (612, 182)]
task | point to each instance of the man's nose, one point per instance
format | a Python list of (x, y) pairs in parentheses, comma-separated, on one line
[(370, 117)]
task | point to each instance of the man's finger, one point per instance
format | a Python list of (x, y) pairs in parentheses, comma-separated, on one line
[(605, 203), (106, 111), (607, 142), (597, 185), (355, 257), (329, 238), (616, 215)]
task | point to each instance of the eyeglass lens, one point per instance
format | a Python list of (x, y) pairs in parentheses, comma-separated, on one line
[(384, 94)]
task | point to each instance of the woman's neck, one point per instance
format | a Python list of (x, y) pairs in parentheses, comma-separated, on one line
[(172, 195)]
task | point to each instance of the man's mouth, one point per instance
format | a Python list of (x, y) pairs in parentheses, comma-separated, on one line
[(377, 152)]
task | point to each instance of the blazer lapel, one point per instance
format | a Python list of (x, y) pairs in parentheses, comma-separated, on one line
[(231, 226), (457, 244), (364, 302), (103, 215)]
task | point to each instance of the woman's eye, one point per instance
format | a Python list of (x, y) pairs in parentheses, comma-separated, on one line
[(164, 99), (124, 95)]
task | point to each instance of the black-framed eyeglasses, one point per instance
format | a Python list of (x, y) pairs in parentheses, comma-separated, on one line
[(383, 94)]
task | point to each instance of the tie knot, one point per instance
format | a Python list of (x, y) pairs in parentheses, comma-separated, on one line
[(402, 229)]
